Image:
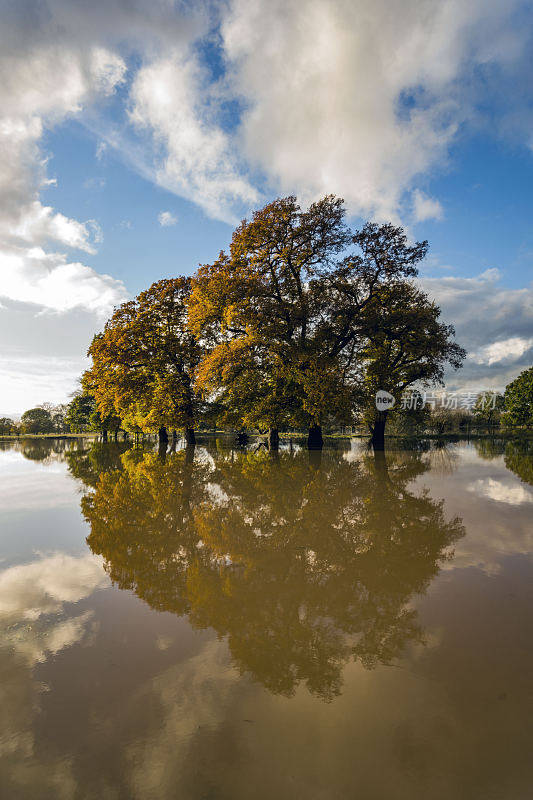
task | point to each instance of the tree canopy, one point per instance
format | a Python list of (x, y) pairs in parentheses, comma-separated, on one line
[(145, 359), (518, 400), (302, 316), (299, 323)]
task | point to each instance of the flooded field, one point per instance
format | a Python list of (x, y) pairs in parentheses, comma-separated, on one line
[(221, 623)]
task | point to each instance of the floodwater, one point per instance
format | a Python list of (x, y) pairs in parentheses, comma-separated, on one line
[(229, 624)]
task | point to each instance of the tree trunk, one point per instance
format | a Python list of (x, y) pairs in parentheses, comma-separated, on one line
[(162, 450), (273, 439), (104, 436), (242, 438), (163, 435), (116, 436), (315, 440), (190, 438), (378, 431)]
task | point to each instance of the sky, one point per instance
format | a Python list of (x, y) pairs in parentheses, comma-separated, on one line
[(135, 134)]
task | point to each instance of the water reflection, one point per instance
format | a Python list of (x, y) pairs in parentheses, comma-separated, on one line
[(303, 564)]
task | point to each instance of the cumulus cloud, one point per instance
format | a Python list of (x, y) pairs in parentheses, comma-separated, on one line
[(355, 97), (166, 219), (32, 97), (425, 207), (170, 98), (492, 322)]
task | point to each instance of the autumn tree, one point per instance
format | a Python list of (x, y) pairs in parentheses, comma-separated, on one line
[(284, 313), (404, 343), (260, 313), (144, 362), (518, 400)]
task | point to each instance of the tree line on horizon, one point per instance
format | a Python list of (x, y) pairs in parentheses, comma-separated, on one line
[(297, 326)]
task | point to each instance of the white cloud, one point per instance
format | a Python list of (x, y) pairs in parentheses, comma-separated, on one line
[(50, 280), (39, 224), (355, 97), (492, 322), (426, 207), (31, 96), (170, 98), (101, 149), (167, 219), (507, 350)]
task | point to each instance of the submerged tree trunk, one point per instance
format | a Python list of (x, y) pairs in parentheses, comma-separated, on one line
[(378, 431), (163, 435), (190, 438), (242, 438), (314, 439), (273, 439)]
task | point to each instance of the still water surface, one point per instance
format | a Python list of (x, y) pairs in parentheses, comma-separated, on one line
[(229, 624)]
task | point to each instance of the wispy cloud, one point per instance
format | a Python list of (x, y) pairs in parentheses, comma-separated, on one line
[(166, 219)]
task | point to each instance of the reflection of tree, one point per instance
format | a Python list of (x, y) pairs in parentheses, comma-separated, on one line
[(489, 448), (519, 459), (303, 565), (88, 464), (52, 449)]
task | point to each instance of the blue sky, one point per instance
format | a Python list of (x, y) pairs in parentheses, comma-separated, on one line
[(121, 116)]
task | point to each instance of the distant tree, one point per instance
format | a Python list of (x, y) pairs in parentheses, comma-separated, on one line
[(488, 409), (405, 344), (7, 426), (82, 415), (518, 400), (144, 361), (37, 420), (79, 416), (410, 417)]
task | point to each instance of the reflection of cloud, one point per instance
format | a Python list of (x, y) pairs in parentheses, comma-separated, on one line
[(28, 591), (494, 530), (195, 696), (513, 494), (34, 645)]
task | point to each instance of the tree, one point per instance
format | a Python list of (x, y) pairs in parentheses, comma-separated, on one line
[(82, 416), (7, 426), (259, 310), (518, 400), (283, 319), (37, 420), (404, 344), (144, 362), (488, 409)]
